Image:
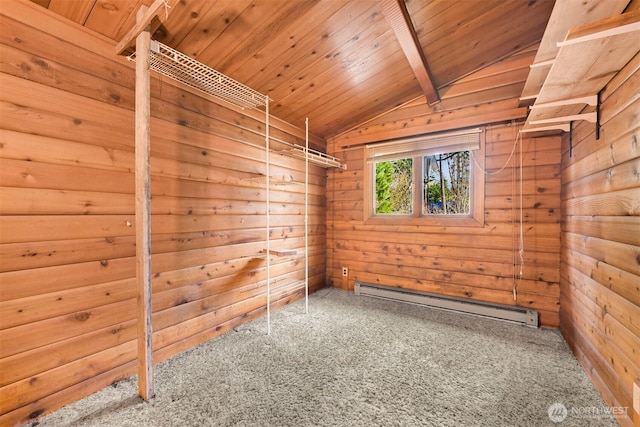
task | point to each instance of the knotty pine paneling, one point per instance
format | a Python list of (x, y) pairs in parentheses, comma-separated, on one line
[(600, 272), (67, 300), (469, 262)]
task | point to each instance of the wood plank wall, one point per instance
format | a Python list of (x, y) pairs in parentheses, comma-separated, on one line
[(470, 262), (67, 226), (600, 270)]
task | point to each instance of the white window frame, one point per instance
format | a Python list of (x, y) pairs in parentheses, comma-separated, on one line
[(417, 148)]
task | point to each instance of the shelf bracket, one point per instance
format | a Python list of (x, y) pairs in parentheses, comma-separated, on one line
[(598, 116), (589, 117), (591, 100), (570, 139), (560, 126)]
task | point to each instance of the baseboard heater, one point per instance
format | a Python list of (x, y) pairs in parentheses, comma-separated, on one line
[(526, 316)]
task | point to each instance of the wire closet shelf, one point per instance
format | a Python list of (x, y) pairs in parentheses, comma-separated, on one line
[(315, 157), (178, 66)]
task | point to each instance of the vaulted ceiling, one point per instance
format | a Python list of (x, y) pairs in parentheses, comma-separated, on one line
[(340, 62)]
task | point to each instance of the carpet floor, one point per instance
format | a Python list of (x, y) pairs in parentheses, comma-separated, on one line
[(359, 361)]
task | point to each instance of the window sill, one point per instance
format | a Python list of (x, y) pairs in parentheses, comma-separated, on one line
[(452, 221)]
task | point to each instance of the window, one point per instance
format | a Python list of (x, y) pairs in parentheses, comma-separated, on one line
[(435, 179), (447, 184)]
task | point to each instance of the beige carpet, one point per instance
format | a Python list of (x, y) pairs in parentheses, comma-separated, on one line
[(359, 361)]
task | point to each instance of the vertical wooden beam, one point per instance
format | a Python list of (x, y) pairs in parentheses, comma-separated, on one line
[(143, 210), (636, 401)]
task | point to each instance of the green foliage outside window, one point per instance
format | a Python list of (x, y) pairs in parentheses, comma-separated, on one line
[(394, 186), (384, 179)]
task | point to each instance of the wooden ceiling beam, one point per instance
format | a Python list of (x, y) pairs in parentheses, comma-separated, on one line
[(398, 17)]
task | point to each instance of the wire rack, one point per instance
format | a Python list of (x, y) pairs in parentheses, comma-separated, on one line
[(315, 157), (178, 66)]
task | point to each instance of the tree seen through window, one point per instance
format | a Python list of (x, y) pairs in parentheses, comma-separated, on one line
[(446, 184)]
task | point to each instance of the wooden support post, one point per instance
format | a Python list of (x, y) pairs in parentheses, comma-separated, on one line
[(636, 401), (143, 211)]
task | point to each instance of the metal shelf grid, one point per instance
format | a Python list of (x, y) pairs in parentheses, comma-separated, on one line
[(178, 66), (315, 157)]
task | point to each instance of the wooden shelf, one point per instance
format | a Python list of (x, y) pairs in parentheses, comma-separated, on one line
[(273, 180), (283, 252), (587, 60), (565, 16), (274, 252)]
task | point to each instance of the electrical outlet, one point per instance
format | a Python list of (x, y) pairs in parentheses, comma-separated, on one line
[(345, 271)]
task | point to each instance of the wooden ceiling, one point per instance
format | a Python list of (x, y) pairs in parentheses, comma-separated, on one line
[(338, 62)]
